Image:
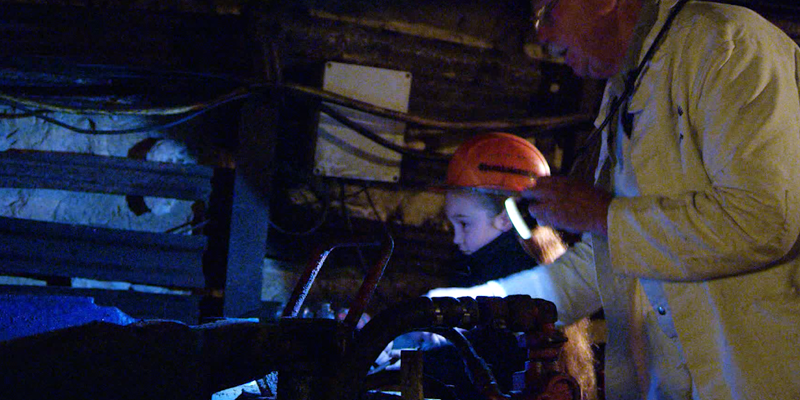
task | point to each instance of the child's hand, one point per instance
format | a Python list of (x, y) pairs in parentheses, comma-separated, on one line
[(389, 359)]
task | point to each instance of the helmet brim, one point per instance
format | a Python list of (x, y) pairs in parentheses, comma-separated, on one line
[(442, 188)]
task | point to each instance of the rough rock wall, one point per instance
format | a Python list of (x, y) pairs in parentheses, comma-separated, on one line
[(94, 209)]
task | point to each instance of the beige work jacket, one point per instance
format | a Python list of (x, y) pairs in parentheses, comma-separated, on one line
[(715, 150)]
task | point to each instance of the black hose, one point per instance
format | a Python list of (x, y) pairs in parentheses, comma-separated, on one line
[(420, 314), (479, 372)]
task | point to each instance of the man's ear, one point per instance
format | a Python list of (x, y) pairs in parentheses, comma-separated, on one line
[(502, 222)]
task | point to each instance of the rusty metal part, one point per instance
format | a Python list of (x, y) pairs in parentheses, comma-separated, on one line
[(306, 280), (415, 314), (368, 286), (542, 379)]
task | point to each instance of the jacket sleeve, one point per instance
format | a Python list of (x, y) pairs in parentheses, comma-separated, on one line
[(569, 282), (744, 115)]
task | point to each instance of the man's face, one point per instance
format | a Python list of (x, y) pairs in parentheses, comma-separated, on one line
[(583, 32), (473, 224)]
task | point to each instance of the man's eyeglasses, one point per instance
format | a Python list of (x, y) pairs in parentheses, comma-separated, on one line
[(542, 16)]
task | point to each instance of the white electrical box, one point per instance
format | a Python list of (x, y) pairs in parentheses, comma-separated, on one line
[(344, 153)]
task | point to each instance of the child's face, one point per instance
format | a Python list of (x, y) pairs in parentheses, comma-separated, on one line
[(473, 224)]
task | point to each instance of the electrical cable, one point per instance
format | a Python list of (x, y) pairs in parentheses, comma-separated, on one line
[(127, 72), (10, 102), (385, 230), (19, 102), (545, 123), (308, 231), (379, 294), (375, 209), (357, 192), (349, 223), (35, 108), (317, 224), (377, 215), (383, 224), (378, 139)]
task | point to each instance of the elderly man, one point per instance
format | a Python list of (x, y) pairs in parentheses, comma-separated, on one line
[(691, 229)]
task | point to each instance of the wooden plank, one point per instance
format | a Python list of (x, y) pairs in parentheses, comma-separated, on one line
[(54, 249), (215, 258), (141, 305), (136, 39), (101, 174)]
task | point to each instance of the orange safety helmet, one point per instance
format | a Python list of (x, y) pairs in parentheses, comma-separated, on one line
[(504, 162), (496, 161)]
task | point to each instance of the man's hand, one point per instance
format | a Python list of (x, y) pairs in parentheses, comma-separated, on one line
[(569, 204)]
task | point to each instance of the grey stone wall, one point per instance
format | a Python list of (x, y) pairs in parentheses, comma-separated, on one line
[(91, 209)]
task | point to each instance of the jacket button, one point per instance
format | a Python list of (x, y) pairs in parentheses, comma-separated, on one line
[(661, 310)]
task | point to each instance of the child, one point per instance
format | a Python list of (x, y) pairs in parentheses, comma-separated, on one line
[(484, 234), (492, 249)]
